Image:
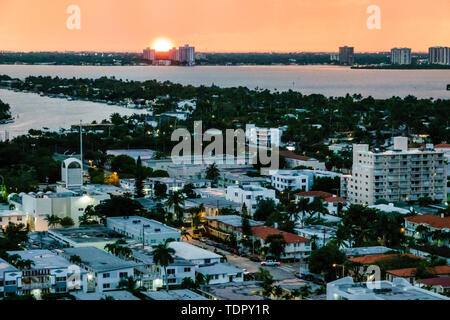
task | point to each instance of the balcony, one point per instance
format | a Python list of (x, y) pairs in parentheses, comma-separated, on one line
[(34, 286)]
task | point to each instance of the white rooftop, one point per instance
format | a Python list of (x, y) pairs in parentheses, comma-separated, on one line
[(11, 213), (190, 252), (399, 289), (389, 208), (219, 268), (6, 267), (43, 259), (182, 294)]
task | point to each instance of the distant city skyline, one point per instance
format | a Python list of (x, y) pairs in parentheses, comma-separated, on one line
[(234, 26)]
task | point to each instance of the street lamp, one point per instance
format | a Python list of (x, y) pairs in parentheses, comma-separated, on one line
[(335, 265)]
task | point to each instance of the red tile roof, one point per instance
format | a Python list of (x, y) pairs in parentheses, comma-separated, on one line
[(442, 146), (263, 232), (439, 281), (373, 258), (411, 272), (322, 194), (335, 199), (292, 155), (432, 220)]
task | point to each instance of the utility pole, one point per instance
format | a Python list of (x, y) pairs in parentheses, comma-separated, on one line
[(143, 236), (81, 151)]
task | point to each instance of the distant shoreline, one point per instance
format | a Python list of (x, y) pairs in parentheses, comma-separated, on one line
[(405, 67)]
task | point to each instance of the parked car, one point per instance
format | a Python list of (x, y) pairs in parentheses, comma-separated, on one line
[(255, 259), (270, 263)]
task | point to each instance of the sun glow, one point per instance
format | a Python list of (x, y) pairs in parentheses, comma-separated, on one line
[(162, 45)]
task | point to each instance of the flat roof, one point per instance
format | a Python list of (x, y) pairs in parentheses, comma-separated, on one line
[(362, 251), (145, 255), (43, 259), (234, 220), (87, 234), (95, 296), (99, 260), (6, 267), (235, 291), (133, 153), (389, 208), (182, 294), (218, 192), (190, 252), (214, 202), (219, 268), (399, 289), (135, 224), (11, 213)]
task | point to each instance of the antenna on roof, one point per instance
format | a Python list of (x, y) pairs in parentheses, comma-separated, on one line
[(81, 150)]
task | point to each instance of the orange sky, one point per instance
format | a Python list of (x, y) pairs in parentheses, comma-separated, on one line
[(224, 25)]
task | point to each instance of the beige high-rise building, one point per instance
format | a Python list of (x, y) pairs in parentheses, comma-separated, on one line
[(401, 56), (400, 174)]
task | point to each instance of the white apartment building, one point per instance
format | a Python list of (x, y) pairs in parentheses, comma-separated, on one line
[(250, 195), (143, 230), (401, 56), (172, 184), (208, 263), (399, 289), (104, 271), (289, 179), (12, 216), (65, 203), (152, 276), (293, 160), (263, 137), (331, 202), (432, 223), (439, 55), (50, 273), (400, 174), (10, 277)]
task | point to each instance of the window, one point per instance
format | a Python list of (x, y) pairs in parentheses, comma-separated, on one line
[(173, 280), (123, 275), (207, 260), (60, 279), (106, 275), (187, 269), (170, 271), (106, 286)]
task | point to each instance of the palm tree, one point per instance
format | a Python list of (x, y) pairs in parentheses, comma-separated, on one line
[(313, 240), (52, 220), (75, 259), (185, 234), (303, 207), (305, 291), (163, 255), (176, 200), (129, 283), (212, 173)]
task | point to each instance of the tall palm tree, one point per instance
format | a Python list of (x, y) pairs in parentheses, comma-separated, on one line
[(163, 255), (313, 240), (129, 283), (303, 207), (52, 220), (212, 173), (176, 201), (185, 234)]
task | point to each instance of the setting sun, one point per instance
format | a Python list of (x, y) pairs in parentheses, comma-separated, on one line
[(162, 44)]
